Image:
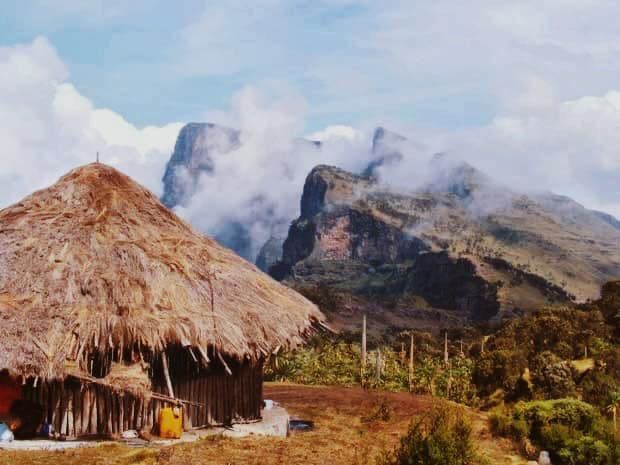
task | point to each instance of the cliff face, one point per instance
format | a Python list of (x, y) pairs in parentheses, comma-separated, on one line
[(270, 253), (386, 150), (194, 151), (192, 156), (445, 253)]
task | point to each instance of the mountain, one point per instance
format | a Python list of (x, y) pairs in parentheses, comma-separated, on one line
[(462, 248), (386, 150), (196, 145), (270, 253), (194, 161), (607, 218), (192, 156)]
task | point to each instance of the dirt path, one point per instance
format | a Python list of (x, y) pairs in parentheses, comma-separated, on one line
[(500, 451), (343, 434)]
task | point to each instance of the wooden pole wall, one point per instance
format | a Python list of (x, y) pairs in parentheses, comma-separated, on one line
[(79, 409)]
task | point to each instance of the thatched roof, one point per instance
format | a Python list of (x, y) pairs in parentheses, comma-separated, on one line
[(96, 261)]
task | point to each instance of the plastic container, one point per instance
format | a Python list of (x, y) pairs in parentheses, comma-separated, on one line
[(6, 435), (170, 423)]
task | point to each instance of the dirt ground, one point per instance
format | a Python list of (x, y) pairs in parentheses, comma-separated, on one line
[(343, 434)]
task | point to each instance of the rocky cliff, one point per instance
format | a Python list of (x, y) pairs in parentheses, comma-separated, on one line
[(193, 151), (463, 248), (270, 253)]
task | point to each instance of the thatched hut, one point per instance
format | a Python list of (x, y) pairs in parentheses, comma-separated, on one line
[(112, 307)]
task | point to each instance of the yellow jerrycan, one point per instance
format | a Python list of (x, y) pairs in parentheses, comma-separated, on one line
[(170, 422)]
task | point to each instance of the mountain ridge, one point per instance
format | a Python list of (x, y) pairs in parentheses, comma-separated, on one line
[(365, 242)]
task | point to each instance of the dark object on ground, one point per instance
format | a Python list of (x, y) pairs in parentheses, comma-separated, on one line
[(300, 425)]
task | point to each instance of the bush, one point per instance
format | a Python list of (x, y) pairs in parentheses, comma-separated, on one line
[(572, 413), (502, 424), (552, 377), (325, 364), (596, 386), (334, 362), (585, 451), (571, 430), (441, 437), (499, 369)]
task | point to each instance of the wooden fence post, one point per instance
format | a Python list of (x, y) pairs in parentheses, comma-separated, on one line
[(411, 363), (364, 341), (363, 364)]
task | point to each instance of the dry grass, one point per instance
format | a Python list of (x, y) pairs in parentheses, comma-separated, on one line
[(95, 262), (340, 436)]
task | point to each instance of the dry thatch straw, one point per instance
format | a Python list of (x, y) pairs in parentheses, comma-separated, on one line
[(96, 263)]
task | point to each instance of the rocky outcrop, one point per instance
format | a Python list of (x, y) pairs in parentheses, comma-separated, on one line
[(386, 150), (446, 248), (192, 156), (270, 253)]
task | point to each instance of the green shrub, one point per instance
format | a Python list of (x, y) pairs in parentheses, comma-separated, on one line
[(441, 437), (502, 424), (596, 386), (572, 413), (328, 362), (586, 451), (571, 430), (520, 429)]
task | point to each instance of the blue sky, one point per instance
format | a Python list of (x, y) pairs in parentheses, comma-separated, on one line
[(160, 61)]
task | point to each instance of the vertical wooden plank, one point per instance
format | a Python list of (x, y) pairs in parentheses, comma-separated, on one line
[(70, 424), (121, 414), (77, 411), (164, 362), (101, 418), (204, 399), (97, 403), (54, 405), (86, 411), (63, 410), (209, 395), (109, 413)]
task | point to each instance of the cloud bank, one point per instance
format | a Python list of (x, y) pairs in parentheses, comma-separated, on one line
[(47, 127), (259, 184), (537, 141)]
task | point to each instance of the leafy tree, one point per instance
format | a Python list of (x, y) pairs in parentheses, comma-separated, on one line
[(498, 369), (552, 376)]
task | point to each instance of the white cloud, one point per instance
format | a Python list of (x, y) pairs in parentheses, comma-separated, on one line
[(259, 185), (47, 127), (570, 147), (336, 132), (539, 139)]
